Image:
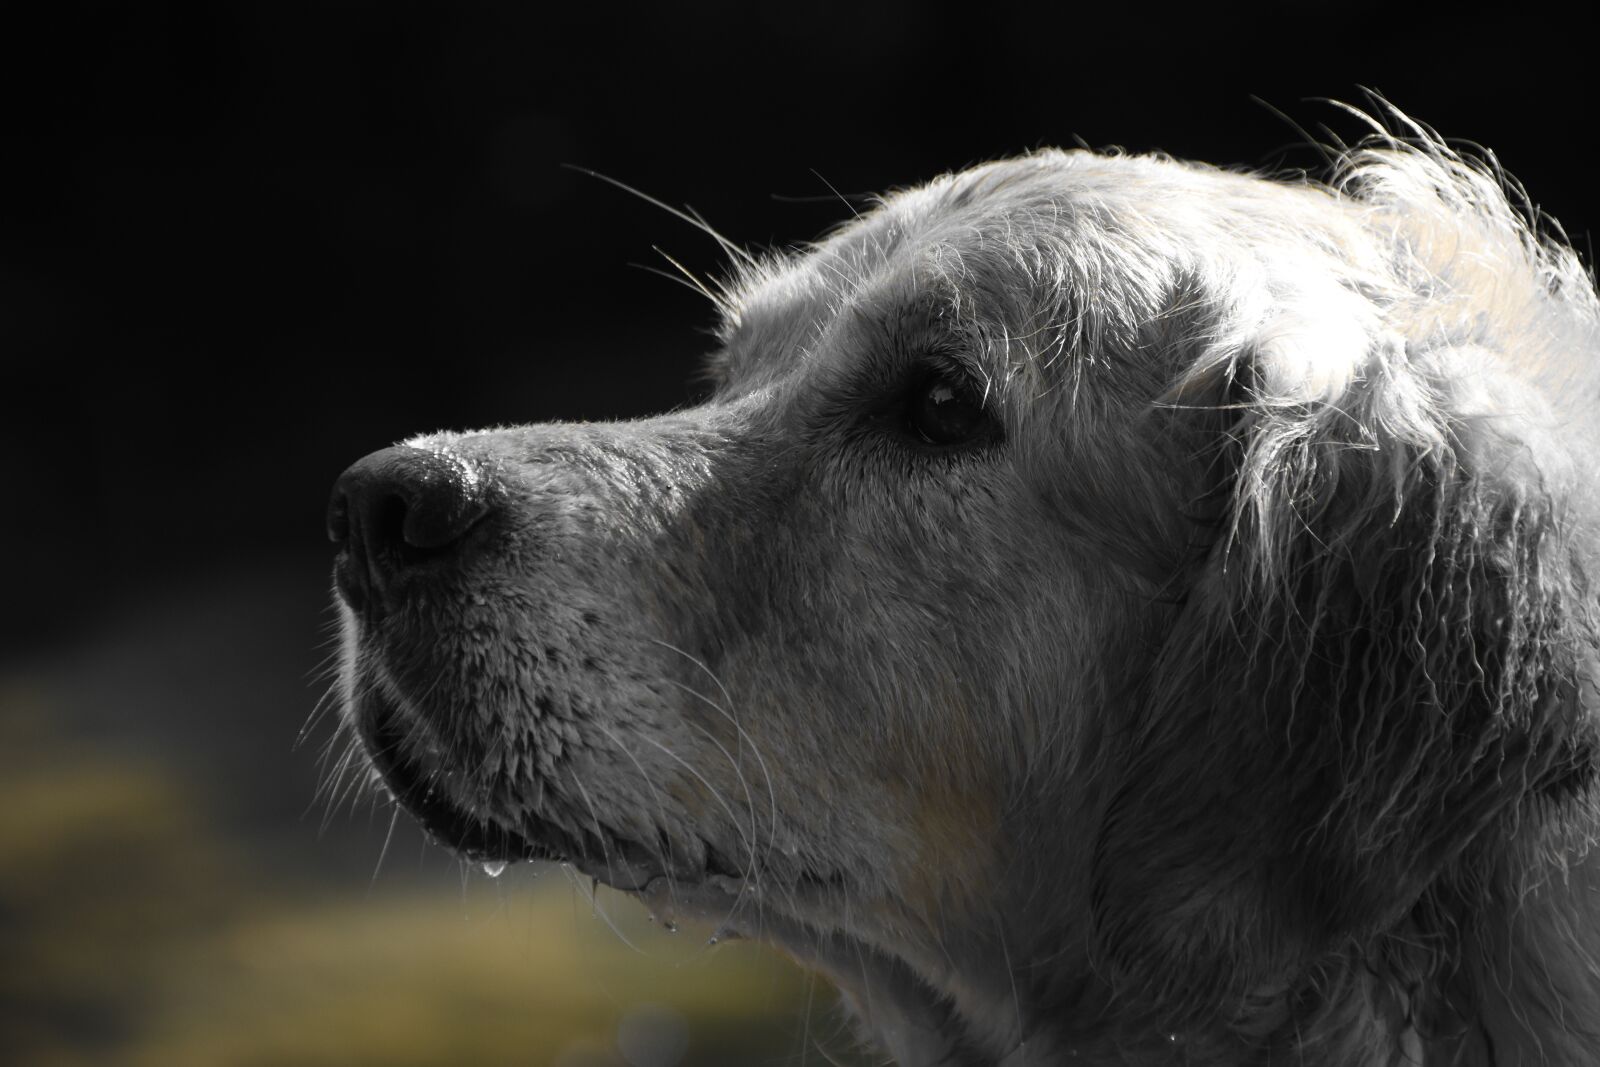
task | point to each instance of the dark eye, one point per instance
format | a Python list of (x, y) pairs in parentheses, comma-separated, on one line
[(946, 410)]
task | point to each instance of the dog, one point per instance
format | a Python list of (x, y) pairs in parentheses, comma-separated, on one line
[(1111, 611)]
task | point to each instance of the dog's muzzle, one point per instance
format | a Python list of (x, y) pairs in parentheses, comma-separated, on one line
[(398, 516), (417, 530)]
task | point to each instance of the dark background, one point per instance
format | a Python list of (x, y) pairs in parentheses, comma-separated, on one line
[(244, 244), (248, 243)]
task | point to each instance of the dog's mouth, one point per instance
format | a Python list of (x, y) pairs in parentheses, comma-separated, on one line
[(419, 788)]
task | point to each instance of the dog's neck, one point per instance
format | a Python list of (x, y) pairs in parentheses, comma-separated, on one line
[(1525, 987), (1517, 986)]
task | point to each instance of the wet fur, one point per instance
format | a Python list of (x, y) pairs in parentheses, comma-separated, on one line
[(1237, 709)]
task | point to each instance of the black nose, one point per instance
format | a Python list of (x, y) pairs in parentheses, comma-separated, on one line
[(396, 509)]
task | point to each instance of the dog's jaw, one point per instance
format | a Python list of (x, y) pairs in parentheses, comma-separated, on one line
[(800, 912), (469, 815), (418, 785)]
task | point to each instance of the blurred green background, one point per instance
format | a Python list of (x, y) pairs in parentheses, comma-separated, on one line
[(170, 895)]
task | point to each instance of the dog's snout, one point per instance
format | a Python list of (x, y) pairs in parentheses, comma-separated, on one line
[(397, 507)]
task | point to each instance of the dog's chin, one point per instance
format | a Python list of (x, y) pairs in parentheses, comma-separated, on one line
[(418, 788), (417, 784)]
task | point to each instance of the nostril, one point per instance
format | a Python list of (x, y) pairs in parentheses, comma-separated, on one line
[(400, 507), (432, 519), (386, 520)]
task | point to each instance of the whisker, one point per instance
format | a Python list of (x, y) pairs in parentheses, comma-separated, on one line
[(661, 812), (599, 831), (744, 738), (1011, 976), (593, 899), (679, 279), (394, 817), (691, 218), (841, 197), (718, 299)]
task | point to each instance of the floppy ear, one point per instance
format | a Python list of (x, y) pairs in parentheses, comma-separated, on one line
[(1376, 664)]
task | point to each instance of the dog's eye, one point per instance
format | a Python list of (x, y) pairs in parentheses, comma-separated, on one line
[(947, 411)]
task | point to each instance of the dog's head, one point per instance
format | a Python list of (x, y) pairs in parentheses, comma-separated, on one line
[(1099, 592)]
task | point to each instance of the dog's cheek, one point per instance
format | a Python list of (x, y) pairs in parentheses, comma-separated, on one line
[(953, 869)]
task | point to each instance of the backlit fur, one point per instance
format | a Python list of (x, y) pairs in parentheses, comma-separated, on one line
[(1234, 706)]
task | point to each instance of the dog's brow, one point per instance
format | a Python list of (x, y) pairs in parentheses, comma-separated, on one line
[(922, 327)]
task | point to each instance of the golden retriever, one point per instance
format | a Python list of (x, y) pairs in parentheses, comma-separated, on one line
[(1111, 611)]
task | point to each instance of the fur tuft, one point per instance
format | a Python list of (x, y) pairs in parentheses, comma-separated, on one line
[(1372, 731)]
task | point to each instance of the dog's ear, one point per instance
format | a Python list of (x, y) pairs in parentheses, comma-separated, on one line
[(1376, 668)]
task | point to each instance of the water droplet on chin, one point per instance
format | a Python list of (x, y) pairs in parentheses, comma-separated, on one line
[(712, 940), (494, 868)]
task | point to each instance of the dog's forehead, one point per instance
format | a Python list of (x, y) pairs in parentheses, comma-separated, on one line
[(899, 250), (953, 214), (1004, 237)]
